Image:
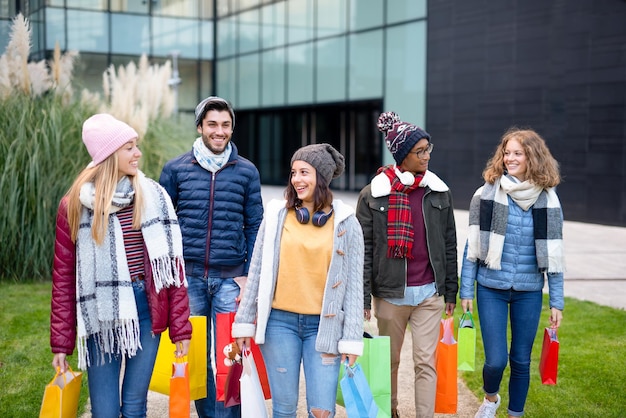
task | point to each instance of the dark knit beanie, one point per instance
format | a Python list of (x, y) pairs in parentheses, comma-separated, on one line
[(324, 158), (213, 103), (400, 136)]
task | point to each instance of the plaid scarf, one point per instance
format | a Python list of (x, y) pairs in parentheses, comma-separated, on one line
[(488, 216), (399, 219), (106, 308), (208, 160)]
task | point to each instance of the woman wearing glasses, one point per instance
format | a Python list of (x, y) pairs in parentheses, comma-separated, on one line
[(410, 255)]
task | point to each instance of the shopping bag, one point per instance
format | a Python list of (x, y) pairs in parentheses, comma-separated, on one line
[(357, 395), (60, 398), (549, 362), (446, 398), (196, 359), (223, 338), (376, 367), (232, 392), (179, 390), (252, 396), (466, 337)]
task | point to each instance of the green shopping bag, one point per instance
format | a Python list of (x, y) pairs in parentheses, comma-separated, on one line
[(466, 343), (376, 366)]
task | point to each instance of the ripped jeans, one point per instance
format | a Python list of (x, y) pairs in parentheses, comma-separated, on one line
[(290, 341)]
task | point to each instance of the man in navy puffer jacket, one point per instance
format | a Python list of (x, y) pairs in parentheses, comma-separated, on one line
[(217, 196)]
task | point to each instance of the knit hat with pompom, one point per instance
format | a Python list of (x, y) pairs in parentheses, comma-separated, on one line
[(400, 136)]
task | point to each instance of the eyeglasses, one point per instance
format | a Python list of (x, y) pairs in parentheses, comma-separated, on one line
[(420, 152)]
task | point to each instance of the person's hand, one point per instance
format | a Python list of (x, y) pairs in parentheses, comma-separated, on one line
[(59, 361), (351, 358), (556, 316), (467, 305), (241, 341), (367, 314), (182, 348), (241, 282), (450, 308)]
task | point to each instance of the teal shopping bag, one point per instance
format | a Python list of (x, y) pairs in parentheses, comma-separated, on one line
[(357, 395), (376, 366), (466, 343)]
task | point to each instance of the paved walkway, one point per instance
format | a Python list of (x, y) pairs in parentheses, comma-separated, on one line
[(596, 271)]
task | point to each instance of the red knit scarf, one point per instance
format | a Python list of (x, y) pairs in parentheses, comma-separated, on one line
[(399, 219)]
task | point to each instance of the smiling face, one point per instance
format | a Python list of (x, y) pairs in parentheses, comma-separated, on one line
[(515, 159), (128, 159), (216, 130), (304, 181), (413, 162)]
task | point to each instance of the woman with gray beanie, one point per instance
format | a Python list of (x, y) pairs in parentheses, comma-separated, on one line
[(303, 302)]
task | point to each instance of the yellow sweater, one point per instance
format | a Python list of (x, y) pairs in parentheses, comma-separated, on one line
[(305, 253)]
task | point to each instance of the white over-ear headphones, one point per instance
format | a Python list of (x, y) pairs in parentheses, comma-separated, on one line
[(406, 177)]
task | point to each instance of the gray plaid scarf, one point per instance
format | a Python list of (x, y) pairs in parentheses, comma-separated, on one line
[(488, 215), (106, 308)]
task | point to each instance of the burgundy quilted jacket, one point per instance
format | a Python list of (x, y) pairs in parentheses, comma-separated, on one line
[(168, 308)]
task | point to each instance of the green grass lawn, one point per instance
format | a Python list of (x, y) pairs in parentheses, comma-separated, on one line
[(592, 363)]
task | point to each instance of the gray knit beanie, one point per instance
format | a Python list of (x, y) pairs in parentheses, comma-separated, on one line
[(324, 158), (213, 103)]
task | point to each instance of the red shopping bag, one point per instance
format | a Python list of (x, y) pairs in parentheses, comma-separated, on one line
[(548, 365), (223, 324), (446, 398), (232, 389)]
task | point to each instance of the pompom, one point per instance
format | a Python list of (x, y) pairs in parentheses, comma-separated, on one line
[(386, 121)]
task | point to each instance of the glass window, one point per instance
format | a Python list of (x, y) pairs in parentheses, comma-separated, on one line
[(7, 10), (226, 36), (130, 34), (249, 33), (133, 6), (405, 74), (88, 4), (227, 80), (331, 17), (89, 69), (55, 24), (365, 14), (182, 8), (300, 20), (300, 74), (273, 77), (401, 10), (175, 35), (206, 82), (366, 65), (206, 9), (206, 39), (190, 86), (247, 4), (248, 81), (273, 25), (5, 29), (87, 31), (223, 7), (331, 70)]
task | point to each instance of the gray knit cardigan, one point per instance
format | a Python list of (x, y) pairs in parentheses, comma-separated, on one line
[(341, 321)]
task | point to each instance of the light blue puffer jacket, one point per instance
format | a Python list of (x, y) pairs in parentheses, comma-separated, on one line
[(519, 263)]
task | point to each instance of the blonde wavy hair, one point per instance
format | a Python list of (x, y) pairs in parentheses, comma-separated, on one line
[(541, 167), (104, 176)]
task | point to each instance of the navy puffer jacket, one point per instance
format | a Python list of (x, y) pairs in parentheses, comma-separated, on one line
[(219, 213)]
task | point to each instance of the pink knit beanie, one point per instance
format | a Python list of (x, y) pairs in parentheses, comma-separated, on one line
[(103, 135)]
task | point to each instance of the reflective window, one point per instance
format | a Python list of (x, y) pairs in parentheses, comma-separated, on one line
[(405, 84), (87, 4), (300, 20), (331, 70), (227, 36), (365, 14), (89, 69), (133, 6), (175, 35), (273, 77), (181, 8), (300, 74), (366, 65), (206, 9), (273, 27), (400, 10), (206, 73), (249, 33), (206, 40), (248, 81), (7, 10), (87, 31), (331, 17), (55, 24), (130, 34), (246, 4), (226, 80), (223, 7), (189, 88)]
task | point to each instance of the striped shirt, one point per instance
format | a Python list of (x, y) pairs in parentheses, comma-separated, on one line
[(133, 241)]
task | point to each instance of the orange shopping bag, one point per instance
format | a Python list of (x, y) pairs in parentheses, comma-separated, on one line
[(179, 390), (447, 391)]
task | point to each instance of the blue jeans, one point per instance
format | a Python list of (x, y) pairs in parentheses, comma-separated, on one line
[(524, 308), (290, 341), (206, 298), (104, 379)]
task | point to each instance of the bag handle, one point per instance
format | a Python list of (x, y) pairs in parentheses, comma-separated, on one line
[(464, 317)]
